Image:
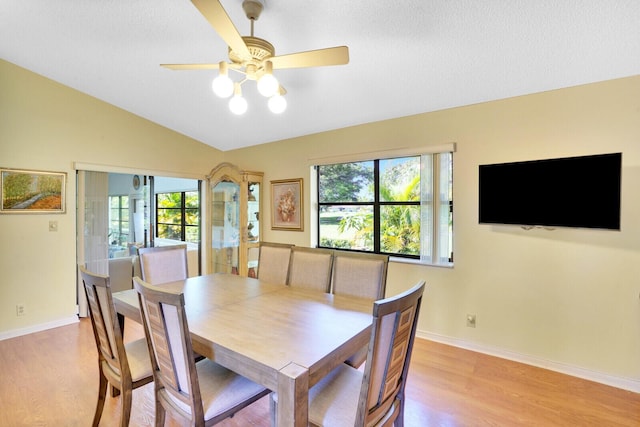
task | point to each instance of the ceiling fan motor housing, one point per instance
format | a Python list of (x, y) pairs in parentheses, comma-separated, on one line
[(259, 49)]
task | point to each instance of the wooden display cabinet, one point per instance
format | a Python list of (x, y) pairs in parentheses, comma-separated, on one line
[(235, 219)]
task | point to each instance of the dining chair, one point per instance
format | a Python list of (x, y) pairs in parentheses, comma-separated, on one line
[(373, 397), (310, 268), (126, 366), (202, 393), (359, 274), (163, 264), (273, 262), (362, 275)]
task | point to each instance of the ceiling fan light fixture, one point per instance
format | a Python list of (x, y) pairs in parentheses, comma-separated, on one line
[(277, 103), (267, 84), (238, 105), (222, 85)]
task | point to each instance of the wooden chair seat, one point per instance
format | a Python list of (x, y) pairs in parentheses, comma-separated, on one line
[(333, 399), (138, 358), (222, 391)]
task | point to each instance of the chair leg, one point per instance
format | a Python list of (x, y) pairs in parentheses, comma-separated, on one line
[(399, 421), (102, 395), (127, 396), (160, 414)]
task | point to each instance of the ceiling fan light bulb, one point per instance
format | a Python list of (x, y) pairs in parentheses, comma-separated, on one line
[(268, 85), (238, 105), (222, 86), (277, 104)]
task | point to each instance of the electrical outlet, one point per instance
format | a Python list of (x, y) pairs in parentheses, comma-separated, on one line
[(471, 320), (20, 310)]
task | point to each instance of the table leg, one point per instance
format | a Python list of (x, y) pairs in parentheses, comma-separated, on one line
[(293, 396)]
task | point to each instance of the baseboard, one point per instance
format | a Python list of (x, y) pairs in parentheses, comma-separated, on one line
[(39, 327), (575, 371)]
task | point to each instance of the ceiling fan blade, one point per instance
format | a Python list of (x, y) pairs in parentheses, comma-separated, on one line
[(313, 58), (190, 66), (213, 11)]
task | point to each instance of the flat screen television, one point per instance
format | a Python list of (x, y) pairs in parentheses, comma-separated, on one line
[(579, 192)]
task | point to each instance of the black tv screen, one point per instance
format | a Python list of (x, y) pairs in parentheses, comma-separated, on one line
[(565, 192)]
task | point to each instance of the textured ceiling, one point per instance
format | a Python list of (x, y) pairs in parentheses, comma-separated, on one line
[(406, 57)]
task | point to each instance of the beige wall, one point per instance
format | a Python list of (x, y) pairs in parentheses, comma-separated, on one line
[(567, 299), (47, 126)]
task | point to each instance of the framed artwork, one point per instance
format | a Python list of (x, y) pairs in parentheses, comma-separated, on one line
[(286, 205), (28, 191)]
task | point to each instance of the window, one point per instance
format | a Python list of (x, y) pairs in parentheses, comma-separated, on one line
[(178, 216), (118, 220), (399, 206)]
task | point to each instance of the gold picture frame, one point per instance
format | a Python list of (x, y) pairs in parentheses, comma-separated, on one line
[(31, 191), (287, 200)]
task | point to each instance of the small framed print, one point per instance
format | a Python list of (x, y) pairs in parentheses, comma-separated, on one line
[(286, 205), (30, 191)]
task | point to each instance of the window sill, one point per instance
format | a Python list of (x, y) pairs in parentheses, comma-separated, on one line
[(401, 260)]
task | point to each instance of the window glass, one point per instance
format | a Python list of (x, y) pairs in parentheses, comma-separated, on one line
[(400, 179), (346, 182), (400, 229), (347, 227)]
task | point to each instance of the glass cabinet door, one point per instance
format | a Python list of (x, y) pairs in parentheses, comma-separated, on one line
[(225, 239)]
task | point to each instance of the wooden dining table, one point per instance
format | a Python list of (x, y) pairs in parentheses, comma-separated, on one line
[(282, 337)]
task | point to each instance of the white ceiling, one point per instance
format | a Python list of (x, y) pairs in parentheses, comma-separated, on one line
[(406, 57)]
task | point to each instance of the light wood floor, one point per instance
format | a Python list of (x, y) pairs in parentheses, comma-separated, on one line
[(50, 379)]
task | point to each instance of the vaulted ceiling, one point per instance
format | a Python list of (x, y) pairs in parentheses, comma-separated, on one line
[(406, 57)]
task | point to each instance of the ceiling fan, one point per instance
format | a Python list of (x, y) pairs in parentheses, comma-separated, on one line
[(254, 57)]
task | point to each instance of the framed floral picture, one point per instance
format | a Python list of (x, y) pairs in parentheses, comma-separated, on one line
[(286, 205), (28, 191)]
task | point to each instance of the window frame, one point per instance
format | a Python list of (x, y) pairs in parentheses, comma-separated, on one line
[(183, 211), (437, 202)]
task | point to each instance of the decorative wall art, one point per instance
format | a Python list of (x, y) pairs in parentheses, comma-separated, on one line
[(28, 191), (286, 205)]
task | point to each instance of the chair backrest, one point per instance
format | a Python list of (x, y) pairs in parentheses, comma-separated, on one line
[(273, 262), (106, 328), (359, 274), (385, 373), (310, 268), (172, 357), (163, 264)]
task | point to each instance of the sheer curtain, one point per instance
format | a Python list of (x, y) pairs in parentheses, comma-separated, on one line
[(436, 232), (426, 208), (92, 227)]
